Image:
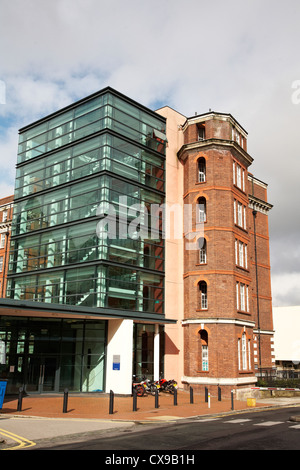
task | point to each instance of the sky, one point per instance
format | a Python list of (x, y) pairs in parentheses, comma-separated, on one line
[(237, 57)]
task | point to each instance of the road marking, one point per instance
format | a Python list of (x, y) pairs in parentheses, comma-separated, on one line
[(23, 443), (205, 420), (237, 421), (297, 426), (268, 423)]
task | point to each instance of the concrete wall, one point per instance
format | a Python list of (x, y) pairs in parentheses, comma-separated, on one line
[(287, 333), (119, 346), (174, 248)]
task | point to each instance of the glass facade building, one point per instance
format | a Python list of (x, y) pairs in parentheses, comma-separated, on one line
[(95, 165)]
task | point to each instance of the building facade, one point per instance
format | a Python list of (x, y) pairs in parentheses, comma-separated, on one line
[(107, 280), (224, 300), (6, 211), (287, 341), (82, 175)]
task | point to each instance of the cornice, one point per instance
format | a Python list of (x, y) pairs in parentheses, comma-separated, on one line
[(214, 142), (259, 205)]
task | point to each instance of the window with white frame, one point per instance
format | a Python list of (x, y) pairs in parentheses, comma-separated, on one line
[(201, 170), (239, 214), (4, 216), (202, 250), (238, 176), (202, 286), (201, 210), (2, 240), (201, 132), (249, 354), (204, 349), (1, 264), (242, 297), (244, 352), (205, 357), (241, 254)]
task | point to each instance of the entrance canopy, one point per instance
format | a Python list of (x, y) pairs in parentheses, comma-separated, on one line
[(43, 309)]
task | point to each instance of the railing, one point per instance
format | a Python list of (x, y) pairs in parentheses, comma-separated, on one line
[(279, 378)]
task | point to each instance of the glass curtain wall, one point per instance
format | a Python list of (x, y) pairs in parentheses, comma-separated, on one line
[(49, 355), (103, 150)]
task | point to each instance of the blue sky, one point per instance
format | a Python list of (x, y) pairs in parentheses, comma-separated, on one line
[(234, 57)]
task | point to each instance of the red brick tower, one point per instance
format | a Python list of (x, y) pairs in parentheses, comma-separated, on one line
[(226, 337)]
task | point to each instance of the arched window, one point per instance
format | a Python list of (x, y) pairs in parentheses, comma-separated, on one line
[(202, 295), (201, 170), (202, 250), (201, 210), (204, 349)]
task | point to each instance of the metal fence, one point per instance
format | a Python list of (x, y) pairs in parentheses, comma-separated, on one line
[(279, 377)]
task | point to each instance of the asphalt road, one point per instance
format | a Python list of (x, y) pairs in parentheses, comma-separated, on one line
[(259, 430)]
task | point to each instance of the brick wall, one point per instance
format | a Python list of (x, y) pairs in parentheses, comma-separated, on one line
[(220, 271)]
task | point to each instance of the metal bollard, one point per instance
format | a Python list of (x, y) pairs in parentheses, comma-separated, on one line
[(65, 405), (156, 398), (232, 404), (134, 395), (111, 402), (219, 394), (175, 397), (191, 395), (20, 399), (206, 394)]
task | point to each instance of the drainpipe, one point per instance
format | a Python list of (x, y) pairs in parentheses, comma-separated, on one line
[(254, 212)]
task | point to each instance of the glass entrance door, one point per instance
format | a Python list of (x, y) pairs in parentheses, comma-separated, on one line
[(49, 379), (43, 374)]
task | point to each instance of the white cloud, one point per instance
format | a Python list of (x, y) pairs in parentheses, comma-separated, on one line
[(236, 57)]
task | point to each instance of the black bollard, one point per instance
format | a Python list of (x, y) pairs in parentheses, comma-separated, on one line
[(219, 394), (232, 405), (156, 398), (65, 405), (111, 402), (134, 395), (206, 394), (175, 397), (20, 399), (191, 395)]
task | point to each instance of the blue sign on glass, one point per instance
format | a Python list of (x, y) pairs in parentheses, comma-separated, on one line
[(3, 384)]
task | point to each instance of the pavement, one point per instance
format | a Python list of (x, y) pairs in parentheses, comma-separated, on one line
[(43, 417), (97, 406)]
